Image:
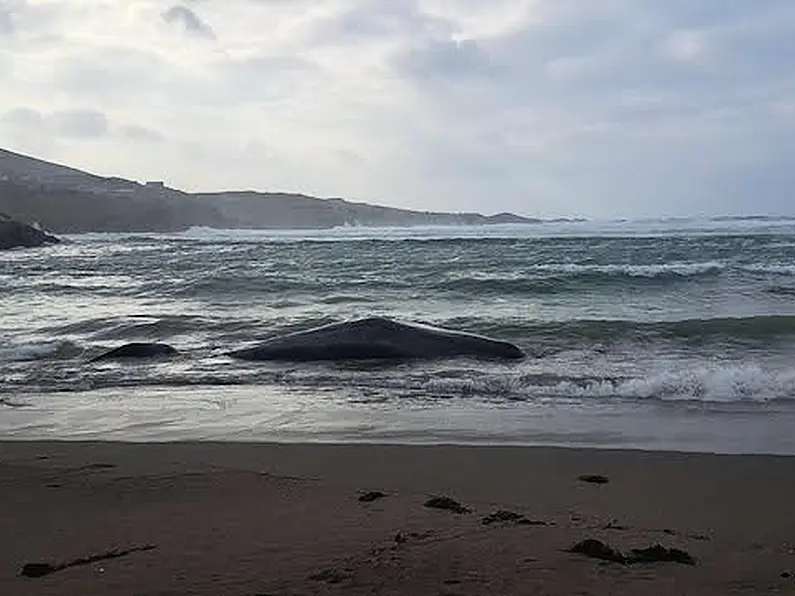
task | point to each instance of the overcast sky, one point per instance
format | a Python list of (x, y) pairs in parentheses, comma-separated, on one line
[(542, 107)]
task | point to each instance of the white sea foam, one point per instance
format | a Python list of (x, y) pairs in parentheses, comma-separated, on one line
[(660, 270), (729, 383), (726, 383), (38, 351)]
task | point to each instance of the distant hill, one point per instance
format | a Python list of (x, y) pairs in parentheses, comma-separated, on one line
[(67, 200)]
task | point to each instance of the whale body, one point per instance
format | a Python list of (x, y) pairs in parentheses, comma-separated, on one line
[(378, 338), (137, 350)]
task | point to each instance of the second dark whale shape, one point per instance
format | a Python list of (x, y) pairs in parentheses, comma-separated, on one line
[(136, 350), (378, 338)]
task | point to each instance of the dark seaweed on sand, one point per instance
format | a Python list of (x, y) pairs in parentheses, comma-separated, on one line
[(596, 549), (447, 504), (594, 478), (42, 569)]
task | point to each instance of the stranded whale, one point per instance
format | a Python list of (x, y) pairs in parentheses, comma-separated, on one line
[(136, 350), (378, 338)]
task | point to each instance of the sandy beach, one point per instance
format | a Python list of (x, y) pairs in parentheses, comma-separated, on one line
[(284, 520)]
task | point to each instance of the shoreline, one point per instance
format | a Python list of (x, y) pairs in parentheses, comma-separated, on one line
[(386, 444), (251, 414), (284, 519)]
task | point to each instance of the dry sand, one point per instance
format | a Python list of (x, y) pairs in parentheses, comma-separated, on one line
[(281, 520)]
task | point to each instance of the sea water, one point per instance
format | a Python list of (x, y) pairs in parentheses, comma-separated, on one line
[(660, 334)]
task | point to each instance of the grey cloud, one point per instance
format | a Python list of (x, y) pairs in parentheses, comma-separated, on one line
[(264, 78), (400, 19), (7, 19), (118, 73), (75, 123), (79, 123), (6, 24), (447, 59), (135, 132), (582, 57), (26, 130), (714, 13), (90, 76), (189, 20), (585, 113), (23, 119), (612, 108)]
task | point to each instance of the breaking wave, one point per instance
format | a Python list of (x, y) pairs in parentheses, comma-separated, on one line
[(727, 383), (47, 350)]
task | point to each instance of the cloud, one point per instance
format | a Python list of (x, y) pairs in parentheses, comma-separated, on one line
[(447, 59), (9, 13), (79, 123), (550, 107), (136, 132), (6, 24), (395, 20), (189, 20), (22, 119), (74, 124)]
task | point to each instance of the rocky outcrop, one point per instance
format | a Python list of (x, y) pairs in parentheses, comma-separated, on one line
[(15, 234)]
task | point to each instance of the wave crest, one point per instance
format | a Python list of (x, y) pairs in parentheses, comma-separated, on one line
[(727, 383), (49, 350)]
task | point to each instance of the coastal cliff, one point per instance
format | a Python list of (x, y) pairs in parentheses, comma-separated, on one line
[(67, 200)]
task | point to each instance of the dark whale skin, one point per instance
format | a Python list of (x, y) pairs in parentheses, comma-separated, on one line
[(378, 338), (138, 351)]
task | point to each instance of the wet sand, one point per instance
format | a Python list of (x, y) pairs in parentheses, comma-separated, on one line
[(283, 520)]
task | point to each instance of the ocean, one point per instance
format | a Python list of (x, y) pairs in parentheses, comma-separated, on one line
[(673, 334)]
